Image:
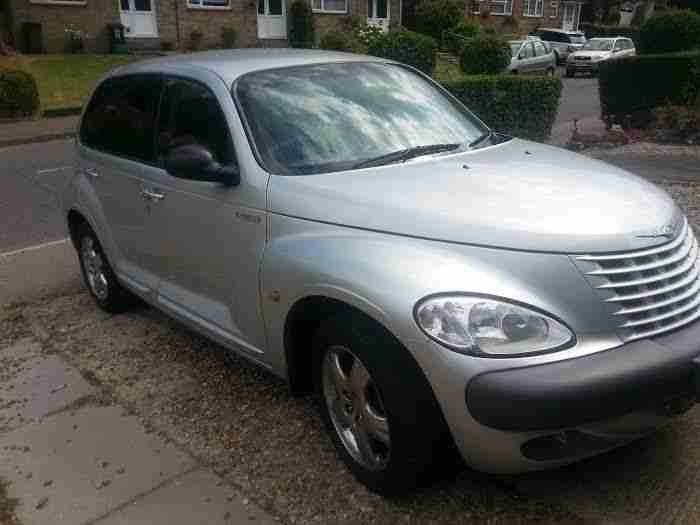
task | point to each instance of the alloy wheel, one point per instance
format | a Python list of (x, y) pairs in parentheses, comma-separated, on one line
[(94, 268), (356, 408)]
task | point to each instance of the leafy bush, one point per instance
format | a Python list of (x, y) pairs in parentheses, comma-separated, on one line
[(633, 84), (485, 55), (340, 41), (603, 31), (19, 96), (408, 47), (671, 32), (228, 37), (434, 16), (301, 25), (523, 106), (453, 39)]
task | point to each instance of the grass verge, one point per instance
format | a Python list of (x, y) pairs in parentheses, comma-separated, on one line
[(7, 506), (65, 81)]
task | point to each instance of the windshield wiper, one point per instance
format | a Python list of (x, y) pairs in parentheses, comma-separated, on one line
[(487, 135), (405, 154)]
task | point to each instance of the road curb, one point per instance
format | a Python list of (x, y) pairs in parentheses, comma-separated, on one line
[(4, 143)]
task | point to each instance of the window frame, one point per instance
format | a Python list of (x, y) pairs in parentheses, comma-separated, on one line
[(554, 9), (507, 7), (77, 3), (119, 155), (538, 13), (322, 9), (230, 146), (199, 4)]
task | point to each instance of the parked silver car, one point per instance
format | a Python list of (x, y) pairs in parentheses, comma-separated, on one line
[(562, 42), (596, 51), (531, 56), (348, 225)]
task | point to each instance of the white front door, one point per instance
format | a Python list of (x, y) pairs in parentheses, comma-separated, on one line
[(139, 18), (272, 19), (378, 14), (571, 17)]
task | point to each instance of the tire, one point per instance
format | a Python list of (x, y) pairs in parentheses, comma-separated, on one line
[(569, 73), (98, 276), (557, 59), (386, 398)]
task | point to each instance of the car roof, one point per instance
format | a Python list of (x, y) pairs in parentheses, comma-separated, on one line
[(555, 30), (230, 64)]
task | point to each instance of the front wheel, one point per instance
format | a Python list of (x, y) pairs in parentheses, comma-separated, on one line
[(569, 73), (378, 406)]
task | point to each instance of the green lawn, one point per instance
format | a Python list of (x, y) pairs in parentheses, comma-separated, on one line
[(65, 81)]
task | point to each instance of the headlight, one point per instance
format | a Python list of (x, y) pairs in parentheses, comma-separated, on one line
[(482, 326)]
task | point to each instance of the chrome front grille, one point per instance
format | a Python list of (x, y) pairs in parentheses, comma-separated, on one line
[(651, 291)]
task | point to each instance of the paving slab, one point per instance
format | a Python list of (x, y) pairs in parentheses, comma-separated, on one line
[(39, 385), (199, 497), (76, 467)]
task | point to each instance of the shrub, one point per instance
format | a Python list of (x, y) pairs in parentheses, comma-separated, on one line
[(636, 84), (434, 16), (453, 40), (19, 96), (485, 55), (228, 37), (523, 106), (301, 25), (603, 31), (340, 41), (408, 47), (671, 32)]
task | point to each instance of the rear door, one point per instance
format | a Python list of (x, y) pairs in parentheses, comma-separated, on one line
[(543, 59), (116, 144)]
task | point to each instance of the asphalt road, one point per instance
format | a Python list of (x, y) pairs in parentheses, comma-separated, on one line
[(30, 178)]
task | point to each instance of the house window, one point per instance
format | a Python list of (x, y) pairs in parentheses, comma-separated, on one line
[(533, 8), (475, 7), (209, 4), (330, 6), (554, 9), (501, 7)]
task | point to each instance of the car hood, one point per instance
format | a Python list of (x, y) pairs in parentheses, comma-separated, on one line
[(600, 55), (518, 195)]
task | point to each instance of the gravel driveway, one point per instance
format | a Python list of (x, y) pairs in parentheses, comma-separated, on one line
[(243, 422)]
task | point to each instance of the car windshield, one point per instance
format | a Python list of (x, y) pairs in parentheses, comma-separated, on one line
[(515, 47), (599, 45), (330, 117)]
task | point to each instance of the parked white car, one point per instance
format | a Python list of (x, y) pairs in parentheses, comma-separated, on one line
[(596, 51)]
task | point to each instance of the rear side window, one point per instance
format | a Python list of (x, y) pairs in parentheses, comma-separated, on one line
[(190, 114), (120, 118), (526, 51), (540, 50)]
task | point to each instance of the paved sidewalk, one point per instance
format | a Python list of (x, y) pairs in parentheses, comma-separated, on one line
[(74, 457), (562, 131), (40, 130)]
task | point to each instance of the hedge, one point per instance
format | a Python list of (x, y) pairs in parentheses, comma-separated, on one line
[(434, 16), (485, 55), (19, 96), (522, 106), (640, 83), (408, 47), (672, 31), (603, 31)]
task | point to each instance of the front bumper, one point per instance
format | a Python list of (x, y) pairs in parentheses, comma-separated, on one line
[(547, 415), (582, 66)]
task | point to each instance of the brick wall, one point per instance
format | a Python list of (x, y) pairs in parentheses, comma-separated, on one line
[(175, 14), (91, 18), (551, 17)]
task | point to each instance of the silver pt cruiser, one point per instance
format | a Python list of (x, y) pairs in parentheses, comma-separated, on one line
[(344, 222)]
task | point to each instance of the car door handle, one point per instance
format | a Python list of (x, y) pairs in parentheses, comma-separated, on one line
[(91, 172), (152, 195)]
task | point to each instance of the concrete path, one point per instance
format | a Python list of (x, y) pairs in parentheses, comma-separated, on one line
[(39, 130), (73, 457)]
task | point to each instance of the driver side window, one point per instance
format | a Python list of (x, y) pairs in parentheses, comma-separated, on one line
[(190, 114)]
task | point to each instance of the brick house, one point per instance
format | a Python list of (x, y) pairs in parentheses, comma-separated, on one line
[(154, 24), (524, 16)]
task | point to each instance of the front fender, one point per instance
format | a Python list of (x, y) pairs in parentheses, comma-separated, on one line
[(385, 275)]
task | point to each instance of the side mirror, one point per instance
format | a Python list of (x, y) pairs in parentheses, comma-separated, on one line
[(196, 162)]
